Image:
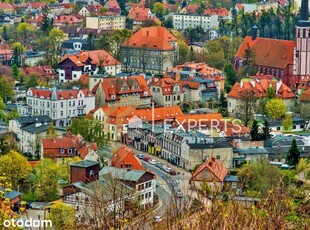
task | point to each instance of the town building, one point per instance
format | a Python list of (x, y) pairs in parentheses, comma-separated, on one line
[(60, 105), (29, 130), (147, 138), (211, 172), (151, 49), (90, 10), (139, 15), (113, 6), (76, 45), (112, 22), (167, 92), (46, 72), (71, 67), (6, 8), (122, 91), (67, 20), (258, 88), (69, 145), (184, 21), (32, 57), (124, 158)]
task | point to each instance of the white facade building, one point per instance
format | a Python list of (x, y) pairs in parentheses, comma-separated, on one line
[(106, 22), (60, 105)]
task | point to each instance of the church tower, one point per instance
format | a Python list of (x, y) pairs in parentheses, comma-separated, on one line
[(302, 47)]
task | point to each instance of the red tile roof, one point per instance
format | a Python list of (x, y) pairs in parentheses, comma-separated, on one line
[(45, 71), (52, 146), (198, 117), (216, 168), (221, 12), (305, 96), (67, 19), (65, 94), (140, 14), (112, 4), (97, 57), (5, 5), (192, 8), (167, 85), (269, 52), (123, 157), (159, 113), (153, 37), (260, 88), (123, 86)]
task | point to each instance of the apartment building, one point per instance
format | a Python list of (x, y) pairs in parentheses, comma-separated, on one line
[(60, 105), (184, 21), (112, 22)]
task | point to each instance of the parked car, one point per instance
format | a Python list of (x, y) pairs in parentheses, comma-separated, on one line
[(172, 172), (146, 159), (158, 164), (152, 161), (167, 169), (140, 156), (157, 219)]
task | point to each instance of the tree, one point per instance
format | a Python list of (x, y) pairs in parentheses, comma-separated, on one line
[(32, 80), (51, 132), (47, 23), (303, 167), (25, 33), (275, 108), (215, 54), (6, 89), (94, 132), (248, 67), (5, 33), (259, 177), (254, 131), (287, 122), (247, 105), (62, 216), (159, 9), (293, 154), (271, 93), (265, 134), (47, 173), (230, 76), (149, 23), (14, 166), (15, 71), (55, 39)]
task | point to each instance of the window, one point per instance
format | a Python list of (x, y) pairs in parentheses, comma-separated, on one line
[(76, 197), (62, 151), (206, 174), (61, 105), (234, 185), (218, 157), (294, 126), (278, 128), (69, 151), (61, 113)]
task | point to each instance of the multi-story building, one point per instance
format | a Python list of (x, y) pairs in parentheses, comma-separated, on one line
[(147, 138), (72, 67), (151, 49), (123, 91), (60, 105), (184, 21), (259, 88), (29, 130), (113, 22), (167, 92)]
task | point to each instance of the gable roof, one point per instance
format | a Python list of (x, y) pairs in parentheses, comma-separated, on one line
[(63, 94), (114, 86), (153, 37), (305, 96), (260, 86), (123, 157), (85, 163), (269, 52), (213, 166), (167, 85), (158, 113)]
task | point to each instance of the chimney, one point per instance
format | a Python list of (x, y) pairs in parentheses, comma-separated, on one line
[(147, 33), (254, 32)]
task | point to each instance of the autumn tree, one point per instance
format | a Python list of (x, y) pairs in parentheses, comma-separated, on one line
[(259, 177), (93, 133), (53, 47), (275, 108), (51, 132), (215, 54), (25, 33), (303, 111), (14, 166), (287, 122), (293, 154), (62, 216), (159, 10), (6, 89), (247, 105), (47, 172)]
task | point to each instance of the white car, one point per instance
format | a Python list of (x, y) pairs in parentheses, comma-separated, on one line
[(153, 162), (167, 169), (157, 219)]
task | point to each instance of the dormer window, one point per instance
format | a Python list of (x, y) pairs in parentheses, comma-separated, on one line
[(69, 151), (113, 97), (145, 93), (62, 151)]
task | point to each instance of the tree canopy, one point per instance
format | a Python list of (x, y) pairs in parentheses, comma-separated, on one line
[(275, 108)]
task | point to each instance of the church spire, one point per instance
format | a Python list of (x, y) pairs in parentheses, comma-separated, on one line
[(304, 10)]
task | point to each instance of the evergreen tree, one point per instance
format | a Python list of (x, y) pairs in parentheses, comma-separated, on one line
[(16, 57), (293, 154), (254, 131), (271, 93), (265, 134), (46, 24), (5, 33), (15, 71), (249, 62), (230, 76)]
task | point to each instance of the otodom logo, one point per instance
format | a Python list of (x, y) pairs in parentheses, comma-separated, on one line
[(21, 223)]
